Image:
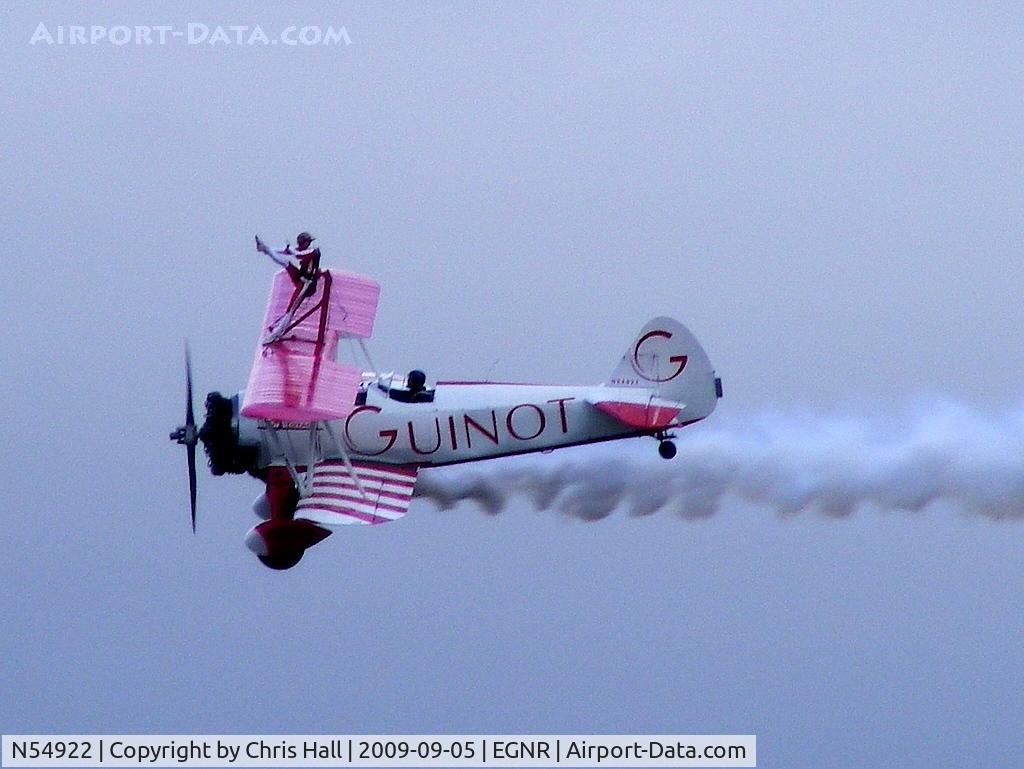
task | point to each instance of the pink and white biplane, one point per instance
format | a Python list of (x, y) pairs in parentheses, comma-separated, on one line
[(336, 443)]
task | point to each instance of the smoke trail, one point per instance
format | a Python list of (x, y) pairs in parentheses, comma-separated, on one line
[(791, 464)]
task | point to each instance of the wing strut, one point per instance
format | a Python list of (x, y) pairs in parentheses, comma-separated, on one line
[(278, 451), (348, 462)]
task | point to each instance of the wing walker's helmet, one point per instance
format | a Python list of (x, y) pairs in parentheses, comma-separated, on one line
[(303, 239)]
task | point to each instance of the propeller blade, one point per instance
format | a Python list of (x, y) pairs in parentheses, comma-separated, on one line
[(188, 436), (192, 482), (190, 419)]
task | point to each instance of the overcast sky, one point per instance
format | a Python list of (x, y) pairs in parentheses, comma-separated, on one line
[(831, 198)]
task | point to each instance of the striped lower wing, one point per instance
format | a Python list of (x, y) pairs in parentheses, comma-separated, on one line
[(336, 499)]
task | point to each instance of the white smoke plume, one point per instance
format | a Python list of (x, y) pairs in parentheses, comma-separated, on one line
[(790, 464)]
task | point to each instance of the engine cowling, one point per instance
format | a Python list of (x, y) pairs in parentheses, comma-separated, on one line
[(219, 434)]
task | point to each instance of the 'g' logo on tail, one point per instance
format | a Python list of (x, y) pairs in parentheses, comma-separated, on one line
[(650, 368)]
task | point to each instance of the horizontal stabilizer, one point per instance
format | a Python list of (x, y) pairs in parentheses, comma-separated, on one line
[(637, 408)]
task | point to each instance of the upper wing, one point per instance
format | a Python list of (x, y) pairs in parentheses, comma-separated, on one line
[(637, 407), (336, 499)]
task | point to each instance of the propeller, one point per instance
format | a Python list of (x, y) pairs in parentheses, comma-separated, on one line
[(188, 436)]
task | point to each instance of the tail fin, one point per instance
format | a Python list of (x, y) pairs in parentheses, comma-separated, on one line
[(667, 360)]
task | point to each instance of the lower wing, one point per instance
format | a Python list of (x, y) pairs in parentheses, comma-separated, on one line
[(370, 493)]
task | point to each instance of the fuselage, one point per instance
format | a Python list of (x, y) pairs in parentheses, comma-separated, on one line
[(465, 422)]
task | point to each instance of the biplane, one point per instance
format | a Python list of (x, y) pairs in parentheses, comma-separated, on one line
[(336, 442)]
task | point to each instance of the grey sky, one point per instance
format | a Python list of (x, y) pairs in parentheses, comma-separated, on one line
[(831, 198)]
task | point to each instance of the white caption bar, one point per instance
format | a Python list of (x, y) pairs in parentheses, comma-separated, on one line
[(410, 750)]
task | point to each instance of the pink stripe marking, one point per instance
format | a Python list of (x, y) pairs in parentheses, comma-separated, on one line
[(348, 498), (365, 517), (366, 479), (352, 487), (458, 383), (409, 472)]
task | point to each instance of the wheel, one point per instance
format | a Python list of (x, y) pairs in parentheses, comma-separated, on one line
[(667, 449)]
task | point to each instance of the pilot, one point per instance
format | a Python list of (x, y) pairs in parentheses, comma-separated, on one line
[(415, 381), (414, 391)]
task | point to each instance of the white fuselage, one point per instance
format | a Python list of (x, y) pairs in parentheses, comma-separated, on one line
[(464, 422)]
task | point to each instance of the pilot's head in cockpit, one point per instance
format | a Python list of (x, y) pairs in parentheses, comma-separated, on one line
[(415, 381)]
